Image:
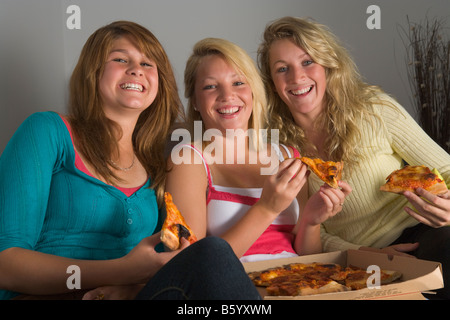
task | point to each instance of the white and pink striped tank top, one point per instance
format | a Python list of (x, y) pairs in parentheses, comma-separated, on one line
[(226, 206)]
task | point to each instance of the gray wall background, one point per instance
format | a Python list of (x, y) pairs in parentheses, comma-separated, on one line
[(38, 51)]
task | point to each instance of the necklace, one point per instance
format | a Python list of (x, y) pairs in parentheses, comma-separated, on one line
[(116, 166)]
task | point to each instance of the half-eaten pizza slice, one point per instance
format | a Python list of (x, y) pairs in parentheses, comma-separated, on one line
[(328, 171), (174, 227)]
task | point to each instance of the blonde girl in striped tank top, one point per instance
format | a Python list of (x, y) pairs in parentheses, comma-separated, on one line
[(258, 214)]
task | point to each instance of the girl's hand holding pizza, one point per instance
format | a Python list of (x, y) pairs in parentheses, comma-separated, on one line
[(426, 190), (432, 210), (282, 187), (325, 203)]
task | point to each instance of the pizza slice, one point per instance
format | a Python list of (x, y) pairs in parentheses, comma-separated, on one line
[(356, 278), (328, 171), (174, 227), (265, 278), (292, 287), (299, 279), (409, 178)]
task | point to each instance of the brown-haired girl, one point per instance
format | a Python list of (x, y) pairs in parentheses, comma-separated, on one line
[(86, 190)]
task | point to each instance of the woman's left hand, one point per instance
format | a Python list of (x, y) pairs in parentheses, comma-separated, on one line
[(325, 203), (432, 210)]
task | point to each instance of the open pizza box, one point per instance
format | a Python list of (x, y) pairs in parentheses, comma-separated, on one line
[(417, 275)]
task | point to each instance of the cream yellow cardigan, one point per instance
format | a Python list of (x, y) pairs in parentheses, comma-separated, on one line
[(371, 217)]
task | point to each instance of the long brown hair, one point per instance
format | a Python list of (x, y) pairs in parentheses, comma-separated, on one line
[(95, 134)]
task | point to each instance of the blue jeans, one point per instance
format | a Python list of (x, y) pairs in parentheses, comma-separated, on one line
[(206, 270)]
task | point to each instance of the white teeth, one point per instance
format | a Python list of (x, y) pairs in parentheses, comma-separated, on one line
[(228, 110), (132, 86), (302, 91)]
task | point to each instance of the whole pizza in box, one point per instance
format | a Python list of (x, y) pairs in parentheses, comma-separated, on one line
[(301, 279)]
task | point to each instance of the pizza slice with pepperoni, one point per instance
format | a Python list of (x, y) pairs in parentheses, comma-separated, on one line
[(328, 171), (409, 178)]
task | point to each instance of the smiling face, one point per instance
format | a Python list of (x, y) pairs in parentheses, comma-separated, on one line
[(298, 80), (129, 80), (222, 96)]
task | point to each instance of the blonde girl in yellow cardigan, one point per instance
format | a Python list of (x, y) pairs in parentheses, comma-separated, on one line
[(322, 107)]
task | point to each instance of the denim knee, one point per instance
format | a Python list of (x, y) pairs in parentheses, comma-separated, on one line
[(210, 245)]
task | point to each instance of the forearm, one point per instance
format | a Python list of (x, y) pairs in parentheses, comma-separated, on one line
[(335, 243), (31, 272), (307, 239), (244, 233)]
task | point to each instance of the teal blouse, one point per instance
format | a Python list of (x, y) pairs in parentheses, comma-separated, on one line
[(48, 205)]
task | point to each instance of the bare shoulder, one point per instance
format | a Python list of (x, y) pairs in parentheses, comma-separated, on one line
[(287, 151), (184, 161)]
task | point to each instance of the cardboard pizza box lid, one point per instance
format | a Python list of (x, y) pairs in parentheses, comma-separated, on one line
[(417, 275)]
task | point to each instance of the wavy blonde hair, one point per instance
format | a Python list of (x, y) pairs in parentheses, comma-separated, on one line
[(95, 134), (244, 64), (348, 98)]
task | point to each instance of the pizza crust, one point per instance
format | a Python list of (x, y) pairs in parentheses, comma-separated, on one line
[(389, 276), (438, 189), (294, 290), (174, 227), (409, 178), (330, 287), (169, 239)]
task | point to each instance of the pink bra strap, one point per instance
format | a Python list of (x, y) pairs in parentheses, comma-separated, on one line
[(232, 197), (296, 153), (79, 164), (208, 171)]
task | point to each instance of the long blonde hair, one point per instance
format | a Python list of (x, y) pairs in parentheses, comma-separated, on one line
[(244, 64), (95, 134), (348, 98)]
